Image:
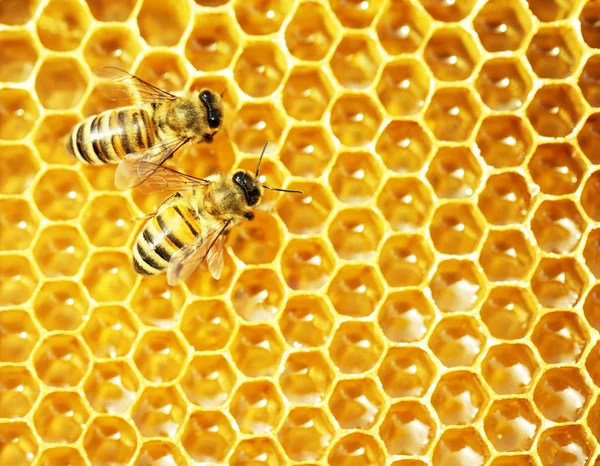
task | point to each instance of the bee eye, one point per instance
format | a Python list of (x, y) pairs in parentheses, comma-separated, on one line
[(205, 95)]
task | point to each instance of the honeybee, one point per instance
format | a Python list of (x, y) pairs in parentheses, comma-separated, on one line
[(144, 137), (190, 226)]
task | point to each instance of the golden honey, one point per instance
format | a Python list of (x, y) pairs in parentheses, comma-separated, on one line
[(430, 299)]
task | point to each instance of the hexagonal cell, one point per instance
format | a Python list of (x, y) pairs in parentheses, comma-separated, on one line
[(107, 220), (60, 194), (568, 444), (306, 264), (106, 10), (507, 255), (503, 84), (588, 81), (407, 429), (355, 177), (457, 341), (588, 138), (306, 377), (162, 23), (16, 12), (111, 387), (555, 110), (451, 54), (556, 168), (406, 203), (259, 450), (592, 366), (60, 250), (18, 168), (452, 114), (355, 119), (306, 433), (356, 347), (591, 307), (158, 304), (213, 41), (356, 403), (459, 398), (208, 380), (558, 283), (505, 199), (207, 325), (109, 276), (504, 140), (560, 337), (406, 316), (406, 372), (306, 93), (255, 123), (163, 68), (549, 11), (306, 321), (457, 286), (510, 368), (110, 331), (18, 113), (306, 213), (456, 228), (17, 225), (260, 68), (61, 417), (257, 350), (60, 83), (454, 173), (355, 61), (111, 46), (160, 356), (159, 412), (157, 452), (402, 27), (310, 33), (261, 18), (405, 260), (508, 312), (61, 305), (17, 444), (18, 55), (355, 290), (61, 360), (501, 25), (19, 335), (403, 87), (18, 391), (208, 437), (355, 233), (404, 146), (51, 138), (562, 394), (307, 151), (589, 196), (62, 25), (18, 280), (558, 226), (356, 449), (511, 425), (460, 446), (110, 439), (591, 252), (257, 407), (448, 11), (554, 52), (59, 456)]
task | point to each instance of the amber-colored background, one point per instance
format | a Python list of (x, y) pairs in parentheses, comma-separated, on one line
[(430, 299)]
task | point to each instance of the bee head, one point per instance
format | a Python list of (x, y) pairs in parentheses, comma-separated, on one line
[(211, 102), (249, 186)]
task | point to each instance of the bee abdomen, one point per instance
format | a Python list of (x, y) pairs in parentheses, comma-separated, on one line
[(110, 136)]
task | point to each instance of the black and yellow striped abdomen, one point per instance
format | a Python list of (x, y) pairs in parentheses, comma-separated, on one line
[(163, 235), (110, 136)]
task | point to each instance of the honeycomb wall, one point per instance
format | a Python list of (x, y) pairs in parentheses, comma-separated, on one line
[(431, 298)]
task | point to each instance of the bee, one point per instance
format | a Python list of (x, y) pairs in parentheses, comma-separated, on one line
[(150, 133), (191, 225)]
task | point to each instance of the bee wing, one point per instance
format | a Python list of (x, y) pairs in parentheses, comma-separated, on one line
[(137, 167), (125, 85), (209, 243)]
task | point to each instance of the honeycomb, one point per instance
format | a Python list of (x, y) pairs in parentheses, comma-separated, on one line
[(431, 299)]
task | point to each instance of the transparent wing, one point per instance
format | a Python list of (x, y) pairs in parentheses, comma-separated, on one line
[(187, 260), (215, 258), (125, 85), (137, 167), (167, 179)]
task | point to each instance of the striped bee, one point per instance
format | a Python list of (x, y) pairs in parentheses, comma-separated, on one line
[(151, 132), (190, 226)]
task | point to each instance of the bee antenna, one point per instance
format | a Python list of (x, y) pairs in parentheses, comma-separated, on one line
[(223, 93), (283, 190), (261, 156)]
